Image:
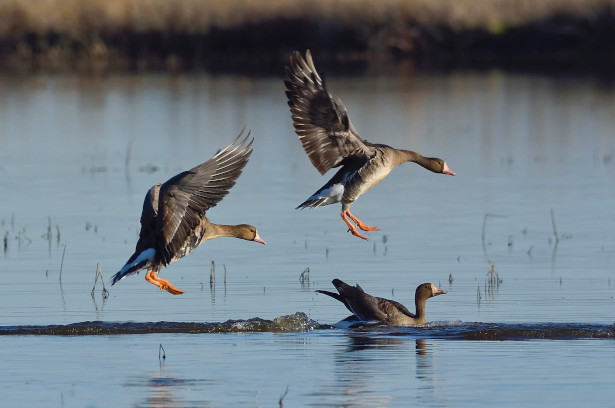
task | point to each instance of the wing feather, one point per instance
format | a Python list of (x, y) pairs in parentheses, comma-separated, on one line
[(185, 198), (320, 121)]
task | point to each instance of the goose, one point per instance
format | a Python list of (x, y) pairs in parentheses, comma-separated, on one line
[(173, 221), (366, 307), (330, 140)]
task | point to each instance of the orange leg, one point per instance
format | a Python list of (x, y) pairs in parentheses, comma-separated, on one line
[(151, 277), (360, 224), (351, 227)]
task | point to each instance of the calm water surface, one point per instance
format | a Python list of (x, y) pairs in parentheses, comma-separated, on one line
[(77, 155)]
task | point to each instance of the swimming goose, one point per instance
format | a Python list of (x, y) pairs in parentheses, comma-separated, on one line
[(173, 222), (330, 140), (366, 307)]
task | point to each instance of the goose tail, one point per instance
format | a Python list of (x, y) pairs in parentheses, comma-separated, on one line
[(133, 266)]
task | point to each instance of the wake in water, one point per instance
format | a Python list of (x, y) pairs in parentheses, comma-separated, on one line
[(300, 322), (490, 331)]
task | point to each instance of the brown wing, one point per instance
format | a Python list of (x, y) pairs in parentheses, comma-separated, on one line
[(185, 198), (149, 213), (388, 307), (147, 235), (363, 305), (321, 122)]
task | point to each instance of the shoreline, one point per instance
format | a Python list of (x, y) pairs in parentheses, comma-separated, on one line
[(561, 38)]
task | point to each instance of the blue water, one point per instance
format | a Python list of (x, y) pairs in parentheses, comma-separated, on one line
[(79, 153), (329, 368)]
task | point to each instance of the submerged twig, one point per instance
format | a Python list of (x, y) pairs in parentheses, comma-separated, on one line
[(305, 275), (493, 281), (492, 274), (554, 226), (281, 400), (162, 355), (105, 292), (62, 263), (23, 238), (47, 235), (127, 159), (212, 282), (553, 256)]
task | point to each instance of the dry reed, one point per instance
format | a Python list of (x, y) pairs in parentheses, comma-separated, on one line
[(86, 20), (60, 29)]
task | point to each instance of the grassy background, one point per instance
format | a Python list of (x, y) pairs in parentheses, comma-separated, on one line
[(179, 33)]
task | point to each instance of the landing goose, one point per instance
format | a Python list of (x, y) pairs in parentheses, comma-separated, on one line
[(330, 140), (173, 221)]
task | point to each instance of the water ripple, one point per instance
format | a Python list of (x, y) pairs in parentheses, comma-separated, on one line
[(299, 322), (494, 331)]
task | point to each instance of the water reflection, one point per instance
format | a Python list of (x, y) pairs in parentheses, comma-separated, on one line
[(354, 369), (363, 385), (362, 342), (492, 282), (425, 370), (164, 390)]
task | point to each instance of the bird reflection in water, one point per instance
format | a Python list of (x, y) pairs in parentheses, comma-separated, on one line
[(165, 391), (362, 386), (425, 370), (355, 376)]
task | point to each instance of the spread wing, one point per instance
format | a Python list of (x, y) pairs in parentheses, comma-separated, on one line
[(185, 198), (149, 213), (320, 121), (148, 222)]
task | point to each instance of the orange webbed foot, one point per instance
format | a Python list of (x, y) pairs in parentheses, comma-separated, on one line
[(360, 223), (357, 233), (351, 227), (172, 289), (163, 284)]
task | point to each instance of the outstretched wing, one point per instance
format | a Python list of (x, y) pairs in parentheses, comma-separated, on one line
[(320, 121), (184, 199), (148, 224)]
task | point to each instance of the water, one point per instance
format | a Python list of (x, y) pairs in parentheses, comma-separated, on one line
[(79, 153)]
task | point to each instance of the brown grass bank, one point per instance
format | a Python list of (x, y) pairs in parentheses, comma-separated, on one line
[(188, 33)]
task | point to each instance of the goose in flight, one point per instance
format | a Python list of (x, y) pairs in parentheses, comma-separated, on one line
[(330, 140), (173, 221)]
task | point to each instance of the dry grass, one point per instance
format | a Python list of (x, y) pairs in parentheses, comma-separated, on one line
[(104, 27), (84, 18)]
